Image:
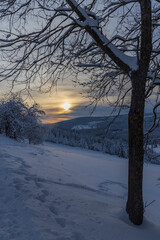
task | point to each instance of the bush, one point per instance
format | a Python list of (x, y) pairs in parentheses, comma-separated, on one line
[(19, 121)]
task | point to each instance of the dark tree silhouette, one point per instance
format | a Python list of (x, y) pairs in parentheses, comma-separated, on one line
[(115, 43)]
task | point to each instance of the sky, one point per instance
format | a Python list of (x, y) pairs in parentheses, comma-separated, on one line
[(52, 102), (65, 93)]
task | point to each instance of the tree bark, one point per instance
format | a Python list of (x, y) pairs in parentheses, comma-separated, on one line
[(135, 206), (7, 129)]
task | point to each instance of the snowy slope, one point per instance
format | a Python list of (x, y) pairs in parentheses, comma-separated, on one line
[(56, 192)]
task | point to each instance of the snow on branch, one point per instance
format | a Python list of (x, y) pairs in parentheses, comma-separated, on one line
[(125, 62), (155, 121)]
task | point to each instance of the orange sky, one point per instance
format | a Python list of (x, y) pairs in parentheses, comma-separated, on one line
[(52, 103), (65, 92)]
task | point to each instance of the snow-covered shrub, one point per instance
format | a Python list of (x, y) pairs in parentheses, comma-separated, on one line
[(34, 131), (115, 147), (96, 143), (151, 155), (19, 121), (12, 114), (38, 135), (105, 144)]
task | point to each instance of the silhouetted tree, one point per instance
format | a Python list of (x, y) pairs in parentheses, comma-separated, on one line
[(108, 41)]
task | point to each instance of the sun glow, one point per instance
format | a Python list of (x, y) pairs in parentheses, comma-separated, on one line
[(66, 106)]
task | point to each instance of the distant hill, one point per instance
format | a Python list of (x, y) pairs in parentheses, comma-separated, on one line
[(104, 134), (110, 127)]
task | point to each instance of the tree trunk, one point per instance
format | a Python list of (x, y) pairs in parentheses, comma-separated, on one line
[(7, 129), (135, 206)]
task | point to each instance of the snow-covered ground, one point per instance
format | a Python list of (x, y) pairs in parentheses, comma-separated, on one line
[(56, 192)]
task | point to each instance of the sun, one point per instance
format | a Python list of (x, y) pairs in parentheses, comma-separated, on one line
[(66, 106)]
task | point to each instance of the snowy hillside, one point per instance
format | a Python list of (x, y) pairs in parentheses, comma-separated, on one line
[(103, 134), (96, 126), (56, 192)]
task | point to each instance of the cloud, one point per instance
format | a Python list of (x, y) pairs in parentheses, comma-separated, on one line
[(55, 114)]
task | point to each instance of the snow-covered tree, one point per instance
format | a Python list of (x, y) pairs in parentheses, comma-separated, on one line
[(115, 43), (12, 117), (19, 121), (33, 128)]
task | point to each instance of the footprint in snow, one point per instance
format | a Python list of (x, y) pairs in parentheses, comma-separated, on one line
[(54, 210), (61, 222), (18, 184), (64, 238), (39, 181), (21, 161), (68, 206), (33, 153), (45, 192), (78, 236), (113, 188), (6, 155), (43, 196), (39, 185)]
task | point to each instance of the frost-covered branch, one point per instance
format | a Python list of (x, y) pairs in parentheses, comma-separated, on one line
[(125, 62)]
